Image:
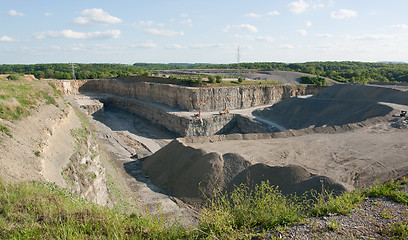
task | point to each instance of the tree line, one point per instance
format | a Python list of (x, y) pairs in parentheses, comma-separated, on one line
[(339, 71), (64, 70)]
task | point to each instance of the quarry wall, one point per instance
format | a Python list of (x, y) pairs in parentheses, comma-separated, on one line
[(186, 126), (196, 98)]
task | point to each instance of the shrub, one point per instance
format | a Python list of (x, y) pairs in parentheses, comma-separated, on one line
[(218, 79), (211, 79), (317, 81), (240, 79), (13, 77)]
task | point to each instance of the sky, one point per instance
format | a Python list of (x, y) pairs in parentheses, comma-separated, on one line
[(202, 31)]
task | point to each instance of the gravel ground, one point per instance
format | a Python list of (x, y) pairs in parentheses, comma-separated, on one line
[(370, 221)]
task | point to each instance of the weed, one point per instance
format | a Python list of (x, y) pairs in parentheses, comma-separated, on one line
[(37, 210), (329, 203), (333, 225), (397, 230), (37, 153), (264, 208), (5, 130), (386, 214), (389, 190), (49, 99)]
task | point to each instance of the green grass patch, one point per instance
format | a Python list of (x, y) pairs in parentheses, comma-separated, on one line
[(5, 130), (243, 211), (40, 210), (18, 97), (397, 230), (389, 190)]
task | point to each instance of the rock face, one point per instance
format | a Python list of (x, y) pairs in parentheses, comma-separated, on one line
[(186, 126), (194, 98)]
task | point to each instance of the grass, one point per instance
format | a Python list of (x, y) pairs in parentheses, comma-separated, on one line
[(397, 230), (35, 210), (5, 130), (19, 97), (40, 210)]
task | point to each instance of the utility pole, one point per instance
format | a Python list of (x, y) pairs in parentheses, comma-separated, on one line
[(73, 71), (238, 61)]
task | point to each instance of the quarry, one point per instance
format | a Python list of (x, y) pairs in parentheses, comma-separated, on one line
[(174, 146), (298, 137)]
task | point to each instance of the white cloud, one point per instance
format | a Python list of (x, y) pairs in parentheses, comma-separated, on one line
[(203, 46), (47, 14), (145, 45), (6, 39), (242, 27), (298, 7), (175, 46), (373, 37), (14, 13), (96, 16), (343, 13), (143, 24), (188, 22), (302, 32), (164, 32), (253, 15), (324, 35), (308, 24), (400, 26), (69, 34), (254, 38), (273, 13), (286, 46), (75, 47)]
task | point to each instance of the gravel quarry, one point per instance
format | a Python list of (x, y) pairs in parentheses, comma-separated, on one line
[(170, 157), (342, 138)]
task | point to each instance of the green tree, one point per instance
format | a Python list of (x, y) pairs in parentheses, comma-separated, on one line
[(211, 79), (218, 79), (240, 79)]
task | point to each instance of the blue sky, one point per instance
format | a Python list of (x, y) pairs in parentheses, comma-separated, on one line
[(202, 31)]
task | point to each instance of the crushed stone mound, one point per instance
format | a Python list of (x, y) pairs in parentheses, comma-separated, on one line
[(335, 106), (297, 113), (290, 179), (364, 92), (193, 174)]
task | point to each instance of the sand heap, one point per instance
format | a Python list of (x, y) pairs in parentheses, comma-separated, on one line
[(193, 174)]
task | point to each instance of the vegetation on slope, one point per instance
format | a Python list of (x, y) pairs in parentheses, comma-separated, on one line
[(18, 97), (43, 210)]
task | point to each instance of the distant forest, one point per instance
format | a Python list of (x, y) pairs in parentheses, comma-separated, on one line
[(339, 71)]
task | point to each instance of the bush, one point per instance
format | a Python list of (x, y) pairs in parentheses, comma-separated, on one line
[(211, 79), (317, 81), (240, 79), (13, 77), (264, 208), (218, 79)]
